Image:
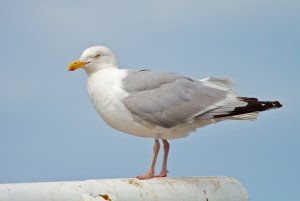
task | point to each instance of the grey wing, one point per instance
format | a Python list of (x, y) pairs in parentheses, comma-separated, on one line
[(167, 100)]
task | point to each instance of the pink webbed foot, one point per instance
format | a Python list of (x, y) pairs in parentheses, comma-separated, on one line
[(148, 175)]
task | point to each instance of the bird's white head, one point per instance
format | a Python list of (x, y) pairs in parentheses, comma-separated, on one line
[(94, 59)]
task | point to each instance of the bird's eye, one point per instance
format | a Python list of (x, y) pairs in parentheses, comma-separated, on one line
[(97, 56)]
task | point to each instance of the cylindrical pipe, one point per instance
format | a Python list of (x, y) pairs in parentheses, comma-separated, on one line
[(131, 189)]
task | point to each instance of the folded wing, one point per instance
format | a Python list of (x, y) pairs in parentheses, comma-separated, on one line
[(167, 99)]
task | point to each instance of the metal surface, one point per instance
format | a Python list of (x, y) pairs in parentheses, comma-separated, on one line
[(131, 189)]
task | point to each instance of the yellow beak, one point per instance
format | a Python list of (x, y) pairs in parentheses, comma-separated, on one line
[(76, 65)]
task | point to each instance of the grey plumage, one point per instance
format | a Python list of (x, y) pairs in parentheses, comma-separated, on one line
[(166, 99)]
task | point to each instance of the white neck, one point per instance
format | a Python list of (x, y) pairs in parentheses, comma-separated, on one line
[(93, 69)]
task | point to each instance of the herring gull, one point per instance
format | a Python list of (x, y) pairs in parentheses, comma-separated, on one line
[(159, 105)]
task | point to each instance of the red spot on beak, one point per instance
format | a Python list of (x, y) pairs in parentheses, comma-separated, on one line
[(72, 68)]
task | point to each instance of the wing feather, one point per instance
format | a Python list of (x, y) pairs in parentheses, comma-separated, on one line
[(167, 99)]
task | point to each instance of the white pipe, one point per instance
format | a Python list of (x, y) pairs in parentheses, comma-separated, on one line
[(131, 189)]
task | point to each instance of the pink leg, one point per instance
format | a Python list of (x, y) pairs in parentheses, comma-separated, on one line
[(164, 170), (150, 173)]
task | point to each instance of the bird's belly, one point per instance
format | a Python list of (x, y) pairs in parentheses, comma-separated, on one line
[(116, 115), (120, 119)]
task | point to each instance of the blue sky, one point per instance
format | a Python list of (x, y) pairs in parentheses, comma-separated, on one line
[(49, 130)]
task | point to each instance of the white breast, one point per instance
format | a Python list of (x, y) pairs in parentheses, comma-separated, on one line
[(106, 93), (105, 90)]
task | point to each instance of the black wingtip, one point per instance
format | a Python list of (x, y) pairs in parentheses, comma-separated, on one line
[(277, 104), (253, 105), (257, 105)]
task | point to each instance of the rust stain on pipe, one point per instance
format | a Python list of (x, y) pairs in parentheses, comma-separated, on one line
[(105, 197)]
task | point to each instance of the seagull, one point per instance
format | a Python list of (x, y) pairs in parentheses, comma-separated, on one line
[(158, 105)]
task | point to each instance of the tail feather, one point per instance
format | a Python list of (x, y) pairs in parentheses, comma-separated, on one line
[(253, 106)]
